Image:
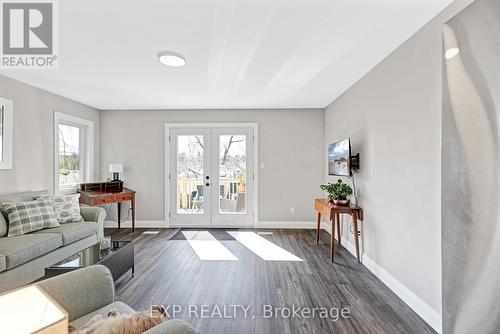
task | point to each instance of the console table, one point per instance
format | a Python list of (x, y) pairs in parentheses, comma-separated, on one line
[(108, 193), (333, 212)]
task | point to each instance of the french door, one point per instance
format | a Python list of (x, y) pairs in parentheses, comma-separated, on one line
[(211, 176)]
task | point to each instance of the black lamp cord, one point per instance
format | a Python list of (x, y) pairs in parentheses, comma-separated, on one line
[(354, 192)]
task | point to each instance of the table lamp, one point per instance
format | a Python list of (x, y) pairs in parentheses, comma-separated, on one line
[(116, 169), (31, 310)]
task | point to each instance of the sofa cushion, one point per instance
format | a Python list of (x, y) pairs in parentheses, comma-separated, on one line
[(4, 226), (3, 265), (23, 248), (66, 207), (26, 217), (72, 232), (122, 308), (25, 196)]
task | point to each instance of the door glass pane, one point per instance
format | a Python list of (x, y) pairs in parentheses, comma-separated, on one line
[(190, 174), (69, 156), (232, 173)]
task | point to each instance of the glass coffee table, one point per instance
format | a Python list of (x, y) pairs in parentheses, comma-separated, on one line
[(119, 258)]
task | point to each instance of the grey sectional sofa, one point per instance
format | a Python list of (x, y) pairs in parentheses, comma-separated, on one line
[(23, 259), (89, 291)]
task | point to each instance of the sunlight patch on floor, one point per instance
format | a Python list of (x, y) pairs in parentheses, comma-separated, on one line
[(263, 248), (207, 247)]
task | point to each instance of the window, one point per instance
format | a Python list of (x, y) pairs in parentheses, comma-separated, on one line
[(5, 133), (74, 152)]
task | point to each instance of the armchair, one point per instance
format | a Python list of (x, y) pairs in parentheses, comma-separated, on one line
[(89, 291)]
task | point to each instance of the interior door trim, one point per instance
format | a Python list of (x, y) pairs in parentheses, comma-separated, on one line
[(254, 126)]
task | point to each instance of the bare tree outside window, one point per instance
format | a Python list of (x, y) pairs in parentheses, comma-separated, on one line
[(69, 155), (190, 174), (232, 173)]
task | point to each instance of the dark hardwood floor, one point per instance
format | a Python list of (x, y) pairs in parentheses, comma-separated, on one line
[(169, 272)]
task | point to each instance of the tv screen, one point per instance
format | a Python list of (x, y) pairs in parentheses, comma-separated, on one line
[(339, 158)]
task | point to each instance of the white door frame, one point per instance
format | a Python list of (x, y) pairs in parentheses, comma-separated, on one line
[(254, 126)]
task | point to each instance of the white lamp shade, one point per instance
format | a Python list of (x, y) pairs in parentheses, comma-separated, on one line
[(115, 168), (31, 310)]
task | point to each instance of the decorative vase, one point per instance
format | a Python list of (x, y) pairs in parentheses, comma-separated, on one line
[(341, 202), (105, 243)]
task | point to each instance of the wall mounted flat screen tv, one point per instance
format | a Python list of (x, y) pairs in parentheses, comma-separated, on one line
[(339, 158)]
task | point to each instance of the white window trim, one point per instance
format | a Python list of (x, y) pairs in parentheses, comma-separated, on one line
[(88, 149), (6, 162)]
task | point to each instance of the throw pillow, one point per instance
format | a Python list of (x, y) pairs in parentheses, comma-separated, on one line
[(28, 217), (66, 207)]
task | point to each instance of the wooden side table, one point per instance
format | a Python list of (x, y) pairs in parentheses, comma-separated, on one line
[(108, 196), (333, 212)]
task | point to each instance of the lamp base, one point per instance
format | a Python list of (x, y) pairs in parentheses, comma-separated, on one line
[(116, 176)]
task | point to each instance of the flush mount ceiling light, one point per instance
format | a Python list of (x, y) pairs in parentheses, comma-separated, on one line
[(172, 59), (451, 53)]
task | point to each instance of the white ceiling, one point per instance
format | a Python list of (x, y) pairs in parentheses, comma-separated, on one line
[(240, 53)]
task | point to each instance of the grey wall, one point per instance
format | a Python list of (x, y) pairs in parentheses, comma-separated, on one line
[(33, 151), (393, 117), (470, 177), (290, 146)]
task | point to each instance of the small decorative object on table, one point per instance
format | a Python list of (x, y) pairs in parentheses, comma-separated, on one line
[(116, 169), (105, 243), (338, 193)]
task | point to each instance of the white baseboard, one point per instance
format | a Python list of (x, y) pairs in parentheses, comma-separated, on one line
[(138, 224), (286, 224), (260, 224), (424, 310)]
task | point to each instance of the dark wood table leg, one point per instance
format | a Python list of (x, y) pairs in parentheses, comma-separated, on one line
[(133, 214), (119, 213), (332, 237), (318, 225), (339, 234), (356, 236)]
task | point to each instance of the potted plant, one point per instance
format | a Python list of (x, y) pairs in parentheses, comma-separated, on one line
[(338, 193)]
